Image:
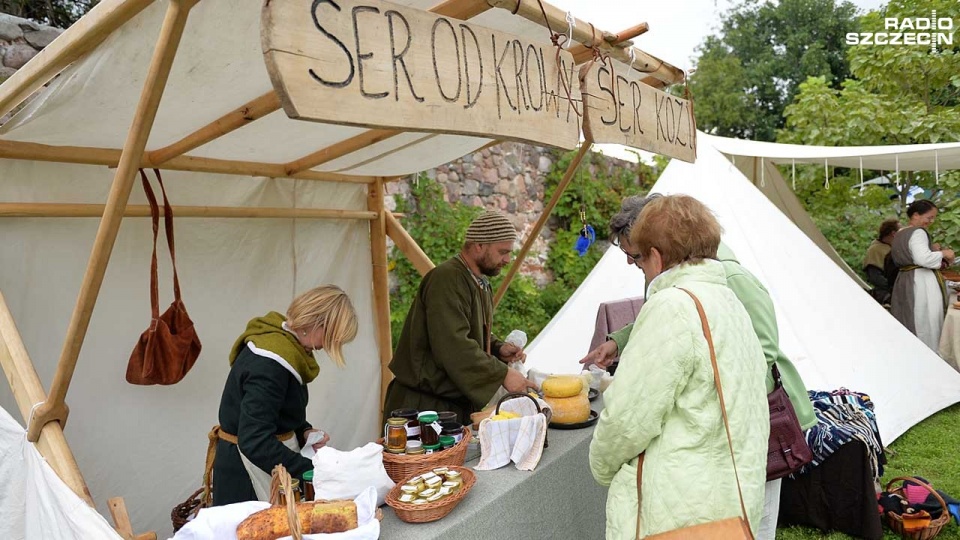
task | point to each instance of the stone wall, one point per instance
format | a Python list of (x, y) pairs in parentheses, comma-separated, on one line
[(21, 40)]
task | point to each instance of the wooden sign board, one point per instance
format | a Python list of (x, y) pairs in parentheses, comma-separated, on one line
[(376, 64), (622, 110)]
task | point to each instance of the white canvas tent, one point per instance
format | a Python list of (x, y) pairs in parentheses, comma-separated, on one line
[(837, 335), (181, 85)]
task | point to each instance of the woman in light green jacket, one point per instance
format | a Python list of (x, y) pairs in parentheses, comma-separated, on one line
[(663, 402)]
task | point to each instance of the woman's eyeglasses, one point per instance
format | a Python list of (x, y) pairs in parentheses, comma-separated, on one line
[(633, 257)]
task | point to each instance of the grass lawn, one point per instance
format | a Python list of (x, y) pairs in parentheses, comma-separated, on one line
[(930, 449)]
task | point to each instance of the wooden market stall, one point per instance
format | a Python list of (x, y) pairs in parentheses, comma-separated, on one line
[(383, 90)]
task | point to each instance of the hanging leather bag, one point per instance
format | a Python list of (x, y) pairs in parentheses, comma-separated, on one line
[(787, 449), (734, 528), (167, 349)]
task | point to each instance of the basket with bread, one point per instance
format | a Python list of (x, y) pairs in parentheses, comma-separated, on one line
[(287, 517)]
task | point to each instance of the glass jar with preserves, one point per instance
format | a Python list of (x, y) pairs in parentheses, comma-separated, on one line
[(307, 486), (294, 491), (429, 428), (395, 435), (431, 448), (451, 429), (414, 447), (447, 416), (413, 426), (447, 442)]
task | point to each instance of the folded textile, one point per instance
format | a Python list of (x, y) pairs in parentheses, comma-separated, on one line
[(843, 416), (519, 440)]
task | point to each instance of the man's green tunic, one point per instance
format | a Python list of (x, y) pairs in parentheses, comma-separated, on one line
[(440, 363)]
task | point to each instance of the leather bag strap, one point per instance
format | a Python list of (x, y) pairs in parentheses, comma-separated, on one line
[(723, 411), (155, 217), (723, 406)]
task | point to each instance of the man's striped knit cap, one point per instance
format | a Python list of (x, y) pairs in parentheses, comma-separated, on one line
[(491, 227)]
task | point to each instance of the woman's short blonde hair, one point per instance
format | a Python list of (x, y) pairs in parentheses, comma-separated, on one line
[(327, 306), (681, 228)]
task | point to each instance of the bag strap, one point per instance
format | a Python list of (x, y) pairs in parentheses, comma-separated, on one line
[(168, 227), (155, 217), (723, 407), (777, 382), (723, 411)]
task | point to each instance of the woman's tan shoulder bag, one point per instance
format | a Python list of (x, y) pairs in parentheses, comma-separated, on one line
[(735, 528)]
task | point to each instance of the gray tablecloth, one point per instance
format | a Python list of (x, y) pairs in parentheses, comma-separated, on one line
[(558, 500)]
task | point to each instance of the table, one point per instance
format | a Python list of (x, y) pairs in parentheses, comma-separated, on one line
[(950, 336), (558, 500)]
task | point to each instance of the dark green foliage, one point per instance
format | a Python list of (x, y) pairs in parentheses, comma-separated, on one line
[(57, 13), (751, 70)]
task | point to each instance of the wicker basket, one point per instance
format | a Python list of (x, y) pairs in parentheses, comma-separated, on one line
[(425, 513), (402, 466), (187, 510), (926, 533)]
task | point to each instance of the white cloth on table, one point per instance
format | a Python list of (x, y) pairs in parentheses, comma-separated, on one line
[(928, 299), (220, 522), (950, 336), (519, 440)]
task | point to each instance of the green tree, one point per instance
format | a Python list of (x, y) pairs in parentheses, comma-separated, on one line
[(896, 95), (58, 13), (748, 73)]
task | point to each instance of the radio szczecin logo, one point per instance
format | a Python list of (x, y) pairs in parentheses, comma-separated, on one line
[(933, 31)]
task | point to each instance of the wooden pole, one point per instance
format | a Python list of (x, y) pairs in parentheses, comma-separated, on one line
[(340, 149), (235, 119), (538, 226), (110, 157), (408, 246), (381, 287), (621, 40), (84, 35), (460, 9), (556, 21), (69, 210), (163, 55), (28, 391)]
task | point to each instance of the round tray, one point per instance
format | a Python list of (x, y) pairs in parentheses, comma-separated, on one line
[(425, 513), (579, 425), (593, 394)]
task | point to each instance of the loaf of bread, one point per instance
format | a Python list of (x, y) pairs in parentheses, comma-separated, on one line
[(315, 517)]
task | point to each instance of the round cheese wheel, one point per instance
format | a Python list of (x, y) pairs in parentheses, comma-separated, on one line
[(562, 386), (569, 410)]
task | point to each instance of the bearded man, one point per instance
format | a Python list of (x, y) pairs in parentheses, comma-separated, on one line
[(447, 359)]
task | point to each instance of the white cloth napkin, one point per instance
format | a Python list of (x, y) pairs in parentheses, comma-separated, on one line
[(313, 438), (519, 440)]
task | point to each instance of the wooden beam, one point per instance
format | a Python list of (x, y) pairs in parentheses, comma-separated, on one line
[(28, 391), (164, 52), (70, 210), (339, 150), (582, 53), (538, 226), (460, 9), (408, 246), (556, 22), (110, 157), (235, 119), (83, 36), (381, 287)]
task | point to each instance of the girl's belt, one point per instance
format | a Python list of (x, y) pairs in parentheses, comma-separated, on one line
[(206, 499)]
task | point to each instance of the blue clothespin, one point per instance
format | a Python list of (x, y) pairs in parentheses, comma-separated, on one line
[(586, 239)]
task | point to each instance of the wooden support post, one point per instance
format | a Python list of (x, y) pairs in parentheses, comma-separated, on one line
[(235, 119), (583, 33), (381, 287), (28, 391), (83, 36), (339, 150), (538, 226), (581, 52), (163, 55), (69, 210), (408, 246), (121, 520), (110, 157)]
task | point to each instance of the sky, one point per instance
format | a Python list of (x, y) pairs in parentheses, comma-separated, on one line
[(676, 29)]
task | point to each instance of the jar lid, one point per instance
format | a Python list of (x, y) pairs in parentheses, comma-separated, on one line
[(427, 412), (431, 446), (414, 444), (428, 418), (452, 427), (404, 413), (446, 440), (308, 476), (397, 421)]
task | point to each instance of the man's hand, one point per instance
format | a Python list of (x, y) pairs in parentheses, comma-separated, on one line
[(321, 443), (511, 353), (602, 356), (515, 382)]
